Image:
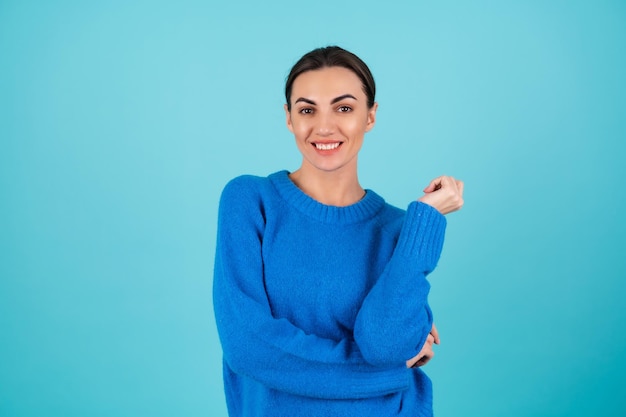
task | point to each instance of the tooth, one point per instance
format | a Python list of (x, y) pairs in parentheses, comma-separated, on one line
[(327, 146)]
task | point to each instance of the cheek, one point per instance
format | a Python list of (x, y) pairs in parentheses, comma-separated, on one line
[(301, 130), (354, 128)]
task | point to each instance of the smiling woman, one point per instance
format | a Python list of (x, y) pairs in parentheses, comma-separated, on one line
[(329, 119), (320, 289)]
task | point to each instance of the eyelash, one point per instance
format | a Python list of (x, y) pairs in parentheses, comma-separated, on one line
[(340, 109)]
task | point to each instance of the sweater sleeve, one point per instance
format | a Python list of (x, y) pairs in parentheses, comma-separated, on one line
[(273, 351), (394, 320)]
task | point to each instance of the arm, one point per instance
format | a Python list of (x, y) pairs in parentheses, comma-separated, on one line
[(273, 351), (395, 320)]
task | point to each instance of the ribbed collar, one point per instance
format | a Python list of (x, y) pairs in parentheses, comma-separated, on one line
[(364, 209)]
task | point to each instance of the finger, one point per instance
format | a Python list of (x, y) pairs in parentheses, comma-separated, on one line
[(411, 363), (447, 183), (425, 359), (453, 184), (435, 334), (459, 186), (433, 185)]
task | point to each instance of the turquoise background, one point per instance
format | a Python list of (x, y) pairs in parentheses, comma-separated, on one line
[(120, 122)]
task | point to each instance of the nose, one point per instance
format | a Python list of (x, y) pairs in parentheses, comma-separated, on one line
[(325, 124)]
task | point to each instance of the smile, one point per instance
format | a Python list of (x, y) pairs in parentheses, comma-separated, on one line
[(327, 146)]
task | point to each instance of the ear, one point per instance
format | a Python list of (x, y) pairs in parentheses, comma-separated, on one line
[(371, 117), (288, 117)]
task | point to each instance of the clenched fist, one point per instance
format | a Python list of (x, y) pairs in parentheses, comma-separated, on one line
[(444, 193)]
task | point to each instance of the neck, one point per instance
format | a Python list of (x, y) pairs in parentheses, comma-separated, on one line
[(331, 188)]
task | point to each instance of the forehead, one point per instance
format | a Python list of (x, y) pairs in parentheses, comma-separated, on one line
[(331, 82)]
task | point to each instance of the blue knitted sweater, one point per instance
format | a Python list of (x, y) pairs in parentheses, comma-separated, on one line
[(318, 307)]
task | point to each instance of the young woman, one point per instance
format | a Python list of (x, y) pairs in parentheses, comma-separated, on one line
[(320, 287)]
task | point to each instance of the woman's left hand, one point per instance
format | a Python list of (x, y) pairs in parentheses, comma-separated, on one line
[(427, 352), (444, 193)]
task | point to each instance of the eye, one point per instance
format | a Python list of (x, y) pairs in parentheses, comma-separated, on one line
[(344, 109), (306, 110)]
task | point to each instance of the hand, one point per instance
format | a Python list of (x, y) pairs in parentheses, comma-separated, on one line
[(444, 193), (427, 352)]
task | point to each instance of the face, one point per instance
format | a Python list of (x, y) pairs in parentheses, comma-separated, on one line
[(329, 117)]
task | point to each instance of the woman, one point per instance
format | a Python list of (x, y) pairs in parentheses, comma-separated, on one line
[(320, 289)]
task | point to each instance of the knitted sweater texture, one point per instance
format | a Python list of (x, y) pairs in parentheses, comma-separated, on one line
[(318, 307)]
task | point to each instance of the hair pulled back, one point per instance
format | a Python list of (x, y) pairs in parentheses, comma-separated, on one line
[(332, 56)]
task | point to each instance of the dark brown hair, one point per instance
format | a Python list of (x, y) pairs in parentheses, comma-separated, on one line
[(332, 56)]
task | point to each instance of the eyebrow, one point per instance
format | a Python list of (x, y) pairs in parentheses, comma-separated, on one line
[(335, 100)]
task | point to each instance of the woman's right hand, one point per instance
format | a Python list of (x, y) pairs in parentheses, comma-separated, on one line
[(427, 352), (444, 193)]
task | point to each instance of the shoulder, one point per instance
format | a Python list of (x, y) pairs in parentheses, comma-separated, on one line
[(245, 182), (387, 212), (392, 212), (388, 216), (391, 217), (248, 195), (241, 203), (246, 187)]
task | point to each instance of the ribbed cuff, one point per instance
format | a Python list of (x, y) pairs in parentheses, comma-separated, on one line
[(422, 234)]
